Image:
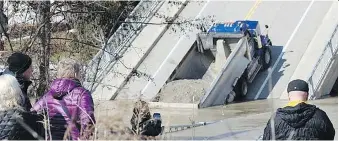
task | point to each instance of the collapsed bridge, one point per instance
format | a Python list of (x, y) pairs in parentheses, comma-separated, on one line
[(304, 46)]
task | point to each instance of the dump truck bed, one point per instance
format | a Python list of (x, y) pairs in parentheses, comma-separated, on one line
[(231, 70)]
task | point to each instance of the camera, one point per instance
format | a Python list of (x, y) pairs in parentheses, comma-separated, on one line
[(157, 116)]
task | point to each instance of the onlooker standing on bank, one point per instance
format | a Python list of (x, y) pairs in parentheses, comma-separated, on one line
[(299, 120), (68, 103), (13, 115), (20, 65), (142, 122)]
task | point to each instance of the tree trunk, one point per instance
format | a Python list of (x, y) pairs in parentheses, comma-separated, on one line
[(2, 48), (44, 53)]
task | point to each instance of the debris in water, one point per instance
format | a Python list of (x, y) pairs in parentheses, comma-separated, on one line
[(182, 91)]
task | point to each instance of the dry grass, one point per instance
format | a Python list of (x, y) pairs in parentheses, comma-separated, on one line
[(112, 122), (113, 119)]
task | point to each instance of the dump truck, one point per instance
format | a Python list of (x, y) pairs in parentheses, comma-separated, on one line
[(241, 51)]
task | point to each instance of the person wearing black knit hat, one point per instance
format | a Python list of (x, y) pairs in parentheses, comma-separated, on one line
[(299, 120), (20, 65)]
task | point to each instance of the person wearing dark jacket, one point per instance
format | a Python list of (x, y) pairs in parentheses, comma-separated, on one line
[(299, 120), (69, 105), (20, 66), (142, 122), (16, 123)]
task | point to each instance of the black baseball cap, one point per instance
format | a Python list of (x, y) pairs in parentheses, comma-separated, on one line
[(297, 85)]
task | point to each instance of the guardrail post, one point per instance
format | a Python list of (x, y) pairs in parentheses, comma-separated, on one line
[(312, 90), (329, 44)]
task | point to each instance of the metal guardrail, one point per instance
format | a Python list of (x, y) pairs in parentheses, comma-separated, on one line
[(323, 64), (176, 128), (121, 40)]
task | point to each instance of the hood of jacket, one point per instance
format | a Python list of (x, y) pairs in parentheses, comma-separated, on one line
[(297, 116), (7, 71), (62, 86), (24, 84)]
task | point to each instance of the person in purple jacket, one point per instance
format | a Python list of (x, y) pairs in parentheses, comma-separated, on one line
[(68, 104)]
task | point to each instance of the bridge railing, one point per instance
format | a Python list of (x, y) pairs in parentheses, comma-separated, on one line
[(120, 41), (323, 64)]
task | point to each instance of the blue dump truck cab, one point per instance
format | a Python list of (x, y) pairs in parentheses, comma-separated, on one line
[(244, 27), (236, 27)]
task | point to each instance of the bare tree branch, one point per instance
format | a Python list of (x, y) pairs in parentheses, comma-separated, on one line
[(68, 39), (34, 38)]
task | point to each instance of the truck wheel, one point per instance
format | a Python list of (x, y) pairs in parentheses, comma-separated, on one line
[(266, 58), (230, 97), (270, 42), (241, 88)]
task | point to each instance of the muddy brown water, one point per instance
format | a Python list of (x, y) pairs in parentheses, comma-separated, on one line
[(180, 116)]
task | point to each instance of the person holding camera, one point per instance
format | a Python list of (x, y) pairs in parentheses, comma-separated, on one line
[(142, 122)]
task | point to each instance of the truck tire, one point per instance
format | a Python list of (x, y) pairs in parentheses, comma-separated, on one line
[(334, 90), (230, 98), (266, 58), (270, 42), (241, 89)]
